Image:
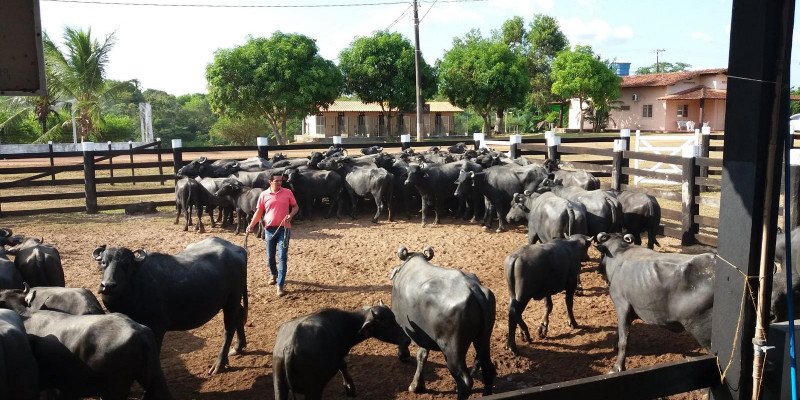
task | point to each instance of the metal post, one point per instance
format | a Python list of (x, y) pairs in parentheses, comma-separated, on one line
[(477, 138), (405, 141), (110, 165), (625, 136), (705, 143), (133, 170), (177, 156), (616, 170), (689, 190), (552, 142), (262, 144), (794, 176), (513, 151), (160, 168), (90, 188), (52, 162), (420, 125), (337, 142)]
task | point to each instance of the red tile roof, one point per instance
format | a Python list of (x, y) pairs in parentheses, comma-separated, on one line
[(696, 93), (666, 79), (358, 106)]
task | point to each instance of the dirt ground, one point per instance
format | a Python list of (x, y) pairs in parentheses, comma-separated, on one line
[(346, 264)]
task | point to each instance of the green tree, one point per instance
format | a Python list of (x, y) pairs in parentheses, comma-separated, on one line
[(195, 114), (277, 79), (485, 75), (580, 74), (78, 73), (380, 68), (794, 106), (165, 112), (238, 131), (662, 67)]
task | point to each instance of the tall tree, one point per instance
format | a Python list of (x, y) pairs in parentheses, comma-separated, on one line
[(663, 66), (79, 72), (276, 79), (580, 74), (485, 75), (380, 68)]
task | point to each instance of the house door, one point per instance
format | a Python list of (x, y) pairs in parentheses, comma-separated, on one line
[(341, 124), (362, 125)]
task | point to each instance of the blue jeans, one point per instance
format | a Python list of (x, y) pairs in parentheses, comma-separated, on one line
[(277, 239)]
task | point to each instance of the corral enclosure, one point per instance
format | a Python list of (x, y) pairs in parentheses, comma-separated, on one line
[(346, 264)]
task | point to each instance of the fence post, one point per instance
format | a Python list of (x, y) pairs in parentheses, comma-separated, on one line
[(625, 136), (110, 165), (689, 192), (262, 144), (88, 177), (160, 167), (513, 150), (705, 143), (477, 138), (552, 146), (405, 141), (52, 163), (177, 156), (337, 142), (794, 181), (616, 166), (133, 170)]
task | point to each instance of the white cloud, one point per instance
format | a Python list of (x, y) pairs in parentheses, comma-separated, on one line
[(594, 32), (526, 9), (701, 36)]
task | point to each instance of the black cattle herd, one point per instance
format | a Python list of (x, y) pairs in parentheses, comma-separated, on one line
[(58, 342)]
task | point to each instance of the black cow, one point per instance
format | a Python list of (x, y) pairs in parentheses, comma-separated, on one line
[(38, 263), (437, 183), (180, 292), (641, 213), (144, 207), (537, 271), (309, 350), (582, 179), (549, 216), (364, 179), (223, 203), (309, 185), (672, 290), (498, 185), (447, 310), (246, 200), (204, 168), (19, 374), (75, 301), (603, 211), (458, 148), (94, 355), (188, 194), (371, 150), (10, 278)]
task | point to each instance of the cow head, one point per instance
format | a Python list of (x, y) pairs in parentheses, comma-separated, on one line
[(384, 160), (315, 158), (194, 168), (118, 265), (519, 209), (19, 243), (416, 173), (380, 323), (229, 187), (465, 180)]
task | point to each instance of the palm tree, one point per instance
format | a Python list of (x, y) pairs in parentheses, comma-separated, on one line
[(42, 106), (79, 73)]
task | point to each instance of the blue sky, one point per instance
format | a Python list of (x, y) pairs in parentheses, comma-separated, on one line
[(168, 48)]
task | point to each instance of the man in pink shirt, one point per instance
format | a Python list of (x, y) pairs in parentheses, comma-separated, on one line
[(277, 206)]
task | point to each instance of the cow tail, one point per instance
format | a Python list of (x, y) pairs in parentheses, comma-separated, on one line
[(511, 261), (570, 219), (615, 222), (654, 222)]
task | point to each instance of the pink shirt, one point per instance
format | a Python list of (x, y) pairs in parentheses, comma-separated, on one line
[(276, 206)]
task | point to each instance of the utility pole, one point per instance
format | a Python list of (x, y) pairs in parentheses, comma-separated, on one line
[(658, 67), (420, 134)]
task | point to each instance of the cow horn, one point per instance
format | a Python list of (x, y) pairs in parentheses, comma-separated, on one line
[(628, 238), (602, 237), (380, 303), (402, 253), (202, 160), (25, 288), (97, 254), (139, 255), (472, 174), (428, 252), (527, 192), (5, 232)]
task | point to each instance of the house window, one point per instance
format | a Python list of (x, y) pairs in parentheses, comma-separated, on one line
[(625, 108), (320, 125), (401, 128), (683, 110), (362, 125), (647, 110)]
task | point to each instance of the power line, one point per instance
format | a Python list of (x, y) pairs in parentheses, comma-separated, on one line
[(398, 18), (429, 10), (123, 3)]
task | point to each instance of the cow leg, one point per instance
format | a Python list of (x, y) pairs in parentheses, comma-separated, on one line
[(483, 360), (230, 317), (623, 327), (457, 365), (637, 239), (418, 383), (241, 340), (515, 309), (424, 211), (501, 215), (378, 206), (353, 201), (568, 300), (187, 215), (178, 216), (151, 377), (349, 386), (548, 307), (438, 210)]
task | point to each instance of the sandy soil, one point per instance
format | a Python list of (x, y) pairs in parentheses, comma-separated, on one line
[(346, 264)]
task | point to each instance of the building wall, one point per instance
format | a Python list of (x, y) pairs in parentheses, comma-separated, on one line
[(632, 118), (371, 127)]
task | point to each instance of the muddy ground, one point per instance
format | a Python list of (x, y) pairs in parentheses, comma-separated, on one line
[(346, 264)]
